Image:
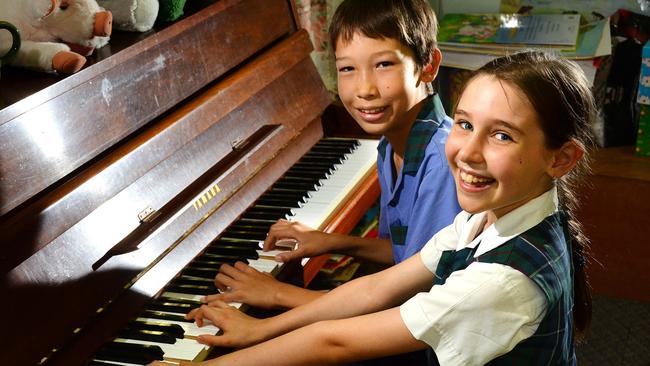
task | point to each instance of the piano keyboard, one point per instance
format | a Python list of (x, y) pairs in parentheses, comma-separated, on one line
[(308, 192)]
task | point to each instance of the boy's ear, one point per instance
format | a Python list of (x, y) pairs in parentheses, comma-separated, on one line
[(430, 71), (565, 158)]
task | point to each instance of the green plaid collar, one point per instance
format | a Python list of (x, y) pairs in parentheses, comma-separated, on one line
[(427, 122)]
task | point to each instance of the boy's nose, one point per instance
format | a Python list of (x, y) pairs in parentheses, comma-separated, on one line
[(366, 87)]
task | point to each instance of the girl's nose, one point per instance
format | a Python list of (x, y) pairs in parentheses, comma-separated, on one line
[(471, 151)]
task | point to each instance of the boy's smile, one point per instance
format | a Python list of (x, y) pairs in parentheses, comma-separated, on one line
[(379, 85), (496, 149)]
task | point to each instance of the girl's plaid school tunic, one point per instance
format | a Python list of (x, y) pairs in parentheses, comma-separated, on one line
[(542, 254)]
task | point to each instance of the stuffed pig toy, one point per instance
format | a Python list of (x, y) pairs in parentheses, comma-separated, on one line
[(56, 34), (132, 15)]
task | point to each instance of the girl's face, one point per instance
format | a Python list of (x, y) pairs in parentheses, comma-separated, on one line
[(496, 149), (379, 84)]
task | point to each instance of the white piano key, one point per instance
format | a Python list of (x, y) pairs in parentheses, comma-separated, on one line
[(182, 296), (183, 349), (325, 200), (191, 329), (116, 363), (264, 265)]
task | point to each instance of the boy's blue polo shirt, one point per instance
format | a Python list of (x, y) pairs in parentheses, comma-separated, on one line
[(423, 198)]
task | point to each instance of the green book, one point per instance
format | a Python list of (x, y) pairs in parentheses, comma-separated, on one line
[(512, 30)]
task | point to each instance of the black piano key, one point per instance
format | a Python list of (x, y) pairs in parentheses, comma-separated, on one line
[(258, 229), (327, 169), (191, 289), (342, 150), (271, 217), (172, 306), (201, 272), (172, 329), (202, 262), (193, 303), (147, 335), (130, 353), (319, 163), (298, 179), (268, 222), (308, 172), (338, 142), (279, 211), (153, 314), (236, 242), (302, 196), (324, 156), (296, 186), (238, 252), (244, 234), (279, 202)]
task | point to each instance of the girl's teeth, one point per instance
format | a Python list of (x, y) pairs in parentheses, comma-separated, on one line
[(471, 179)]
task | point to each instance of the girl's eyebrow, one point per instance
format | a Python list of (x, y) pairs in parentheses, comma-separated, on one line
[(498, 122), (510, 126), (460, 111)]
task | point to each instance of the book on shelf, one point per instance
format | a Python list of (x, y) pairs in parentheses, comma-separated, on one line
[(508, 31), (594, 40)]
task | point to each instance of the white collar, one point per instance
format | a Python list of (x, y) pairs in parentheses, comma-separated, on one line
[(510, 225)]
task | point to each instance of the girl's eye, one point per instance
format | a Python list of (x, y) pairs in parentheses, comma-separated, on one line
[(465, 125), (502, 136)]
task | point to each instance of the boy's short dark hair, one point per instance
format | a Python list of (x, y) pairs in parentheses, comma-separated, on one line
[(411, 22)]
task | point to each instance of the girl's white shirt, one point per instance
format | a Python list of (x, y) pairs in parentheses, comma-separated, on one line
[(483, 311)]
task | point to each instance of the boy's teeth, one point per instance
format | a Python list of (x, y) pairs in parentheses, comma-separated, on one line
[(374, 110), (471, 179)]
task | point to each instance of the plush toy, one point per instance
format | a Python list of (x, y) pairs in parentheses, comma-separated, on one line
[(170, 10), (56, 34), (132, 15)]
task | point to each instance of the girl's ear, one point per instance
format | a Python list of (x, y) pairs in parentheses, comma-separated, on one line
[(565, 158), (430, 71)]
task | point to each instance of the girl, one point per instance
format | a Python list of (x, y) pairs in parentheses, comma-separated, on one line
[(504, 284)]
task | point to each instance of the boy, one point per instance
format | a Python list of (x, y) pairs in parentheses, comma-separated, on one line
[(386, 58)]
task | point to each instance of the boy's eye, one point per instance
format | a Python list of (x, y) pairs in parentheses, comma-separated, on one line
[(383, 64), (346, 69)]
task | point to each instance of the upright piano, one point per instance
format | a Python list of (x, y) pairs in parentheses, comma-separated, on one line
[(123, 187)]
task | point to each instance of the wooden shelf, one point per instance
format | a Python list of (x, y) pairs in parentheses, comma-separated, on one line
[(622, 163), (615, 214)]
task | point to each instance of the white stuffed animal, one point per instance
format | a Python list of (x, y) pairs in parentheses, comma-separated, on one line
[(132, 15), (56, 34)]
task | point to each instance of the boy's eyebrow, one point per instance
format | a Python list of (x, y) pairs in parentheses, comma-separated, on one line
[(374, 54)]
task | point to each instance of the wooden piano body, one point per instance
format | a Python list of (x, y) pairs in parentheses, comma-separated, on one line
[(114, 178)]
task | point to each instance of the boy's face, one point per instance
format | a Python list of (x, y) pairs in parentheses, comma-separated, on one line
[(378, 84)]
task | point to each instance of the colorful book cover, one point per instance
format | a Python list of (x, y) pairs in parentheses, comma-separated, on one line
[(559, 30)]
